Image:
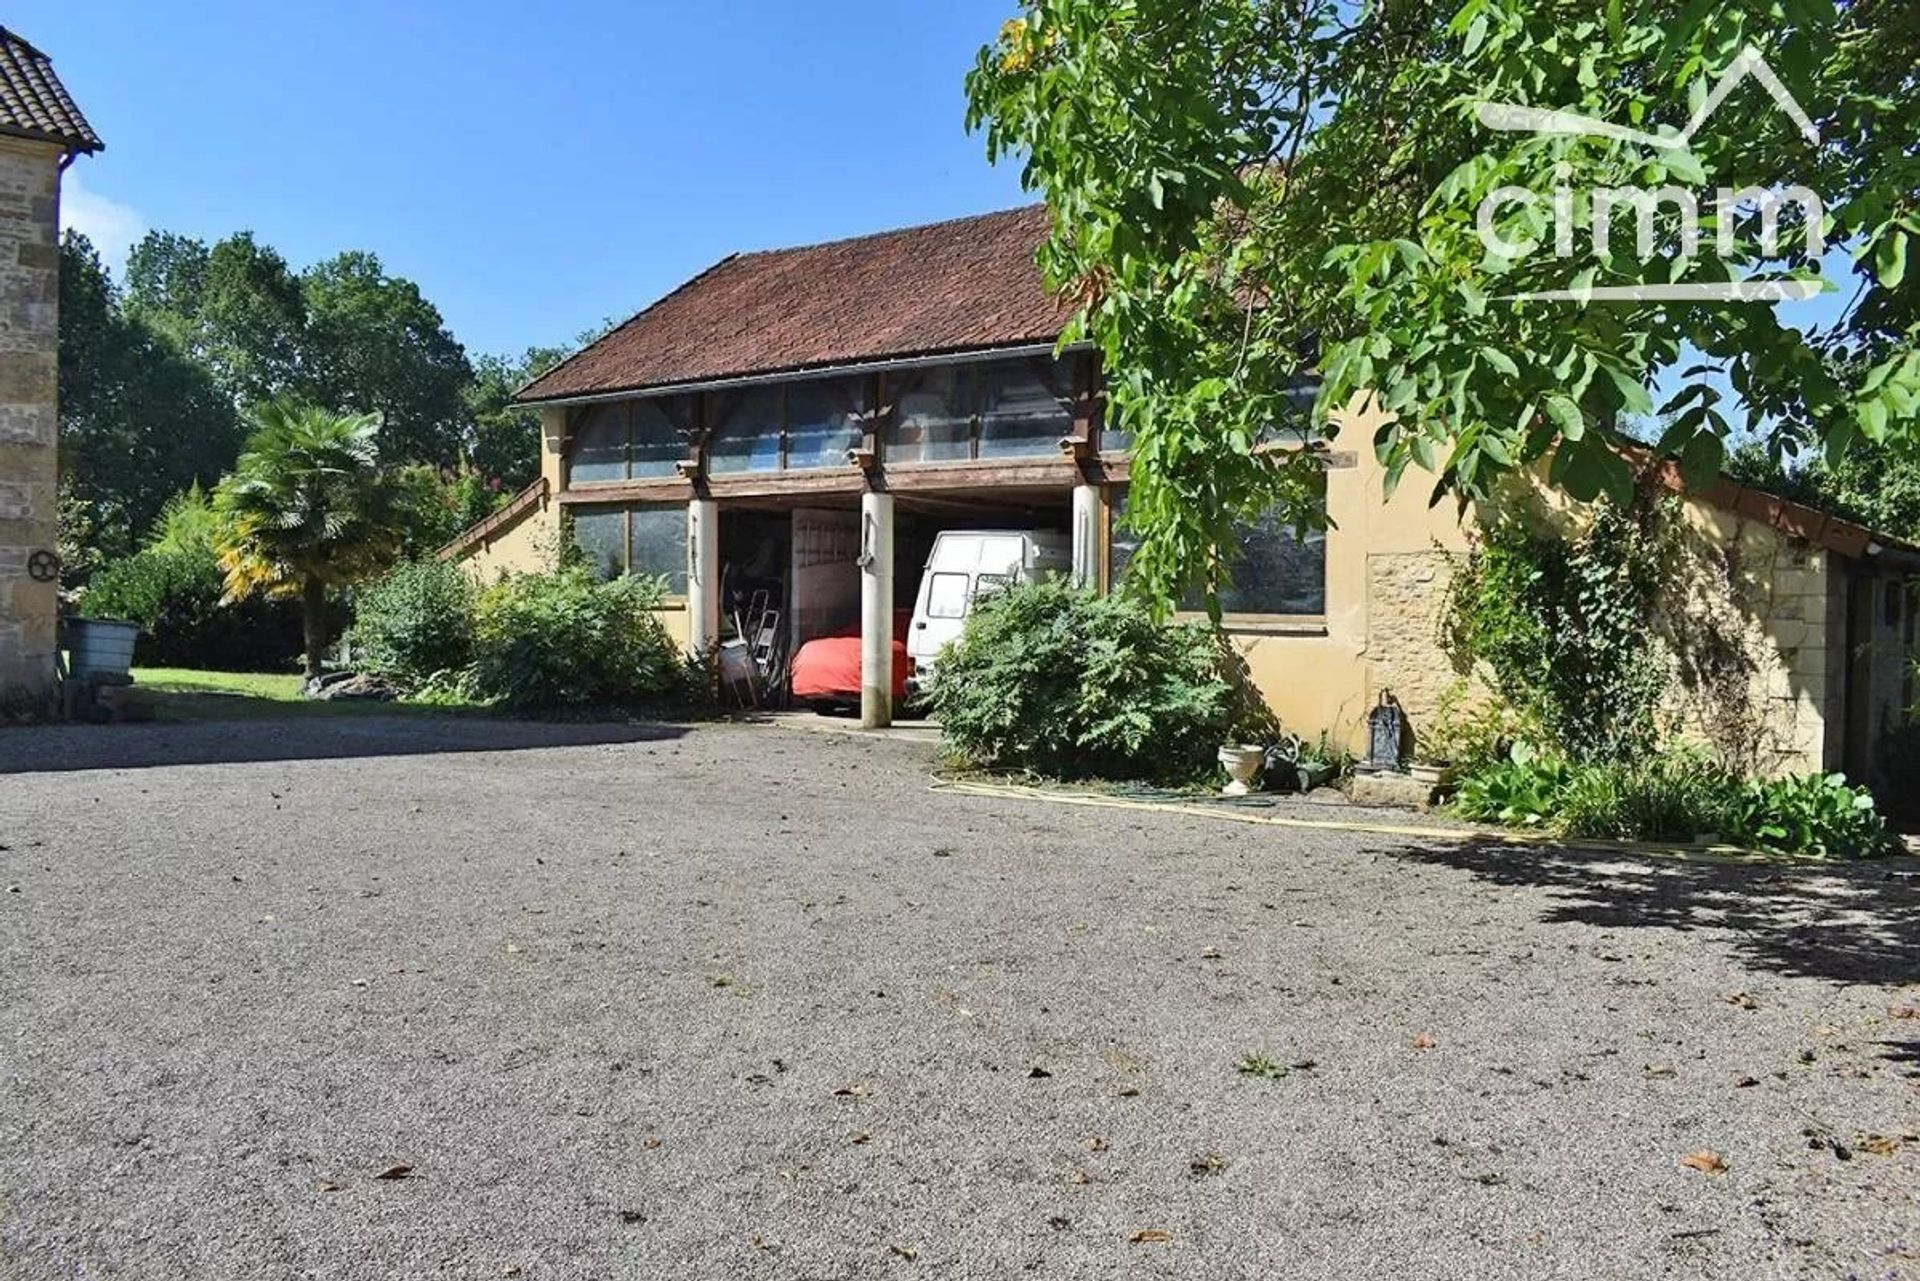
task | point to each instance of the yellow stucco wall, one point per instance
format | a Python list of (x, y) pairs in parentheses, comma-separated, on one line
[(1760, 594), (1388, 565)]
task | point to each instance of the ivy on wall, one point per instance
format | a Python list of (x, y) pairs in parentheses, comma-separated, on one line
[(1566, 625)]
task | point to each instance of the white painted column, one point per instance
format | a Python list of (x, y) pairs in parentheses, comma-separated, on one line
[(703, 574), (876, 610), (1086, 535)]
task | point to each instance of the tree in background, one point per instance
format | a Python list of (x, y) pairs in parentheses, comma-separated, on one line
[(342, 332), (307, 509), (1877, 485), (140, 420), (506, 436), (1240, 188)]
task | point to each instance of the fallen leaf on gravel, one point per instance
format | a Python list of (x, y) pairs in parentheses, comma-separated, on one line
[(1146, 1236), (1211, 1163), (1127, 1092), (1661, 1070), (1211, 954), (1746, 1083), (1424, 1042), (650, 1143), (1038, 1073), (1903, 1011), (400, 1170), (632, 1216), (855, 1091), (1826, 1029), (1058, 1221), (862, 1137), (1878, 1144), (511, 1270), (1742, 999), (906, 1252), (1097, 1144), (359, 983), (326, 1185), (1705, 1161)]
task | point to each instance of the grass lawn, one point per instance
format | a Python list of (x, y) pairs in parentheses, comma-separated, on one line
[(183, 694)]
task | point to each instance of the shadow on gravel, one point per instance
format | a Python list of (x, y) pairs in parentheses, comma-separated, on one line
[(51, 749), (1843, 922)]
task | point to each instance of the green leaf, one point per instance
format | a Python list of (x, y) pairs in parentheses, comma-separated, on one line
[(1566, 416), (1890, 259), (1500, 361), (1701, 460)]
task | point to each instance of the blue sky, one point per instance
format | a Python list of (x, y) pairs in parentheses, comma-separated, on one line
[(535, 168)]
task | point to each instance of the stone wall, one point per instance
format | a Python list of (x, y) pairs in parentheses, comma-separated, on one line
[(29, 423)]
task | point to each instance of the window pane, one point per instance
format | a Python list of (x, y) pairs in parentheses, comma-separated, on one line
[(601, 533), (825, 419), (1275, 571), (932, 417), (1026, 406), (600, 446), (660, 545), (947, 596), (660, 425), (746, 431)]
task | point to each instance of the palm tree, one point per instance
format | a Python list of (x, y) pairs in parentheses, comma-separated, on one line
[(306, 508)]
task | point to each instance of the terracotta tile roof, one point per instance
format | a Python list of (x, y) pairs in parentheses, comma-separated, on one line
[(950, 286), (33, 103)]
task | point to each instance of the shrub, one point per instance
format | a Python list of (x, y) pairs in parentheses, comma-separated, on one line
[(416, 621), (1673, 796), (1816, 814), (1523, 789), (558, 640), (173, 588), (1064, 682)]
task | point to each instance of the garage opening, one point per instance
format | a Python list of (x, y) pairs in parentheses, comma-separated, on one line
[(790, 587)]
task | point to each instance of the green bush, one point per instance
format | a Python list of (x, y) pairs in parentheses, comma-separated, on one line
[(561, 640), (1067, 683), (1816, 814), (1523, 789), (416, 621), (174, 591), (1673, 796)]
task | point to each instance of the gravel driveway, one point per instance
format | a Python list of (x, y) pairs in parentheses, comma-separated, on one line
[(383, 998)]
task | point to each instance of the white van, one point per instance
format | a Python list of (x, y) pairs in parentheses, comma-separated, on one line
[(966, 562)]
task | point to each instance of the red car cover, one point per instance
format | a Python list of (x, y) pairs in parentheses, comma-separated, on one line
[(827, 669)]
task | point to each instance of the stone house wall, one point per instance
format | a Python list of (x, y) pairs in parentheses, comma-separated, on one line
[(29, 423)]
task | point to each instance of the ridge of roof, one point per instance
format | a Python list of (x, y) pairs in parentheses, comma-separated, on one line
[(837, 241)]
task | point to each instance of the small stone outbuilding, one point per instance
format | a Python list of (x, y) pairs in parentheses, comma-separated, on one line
[(41, 132)]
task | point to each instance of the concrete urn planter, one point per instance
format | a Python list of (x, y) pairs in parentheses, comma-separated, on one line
[(1242, 764)]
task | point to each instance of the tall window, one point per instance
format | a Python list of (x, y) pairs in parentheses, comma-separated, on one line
[(826, 417), (630, 440), (996, 409), (636, 539), (932, 416), (745, 430), (1274, 570), (1025, 406), (599, 446)]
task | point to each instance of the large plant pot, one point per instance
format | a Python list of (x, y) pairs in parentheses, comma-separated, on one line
[(1242, 764), (100, 647)]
